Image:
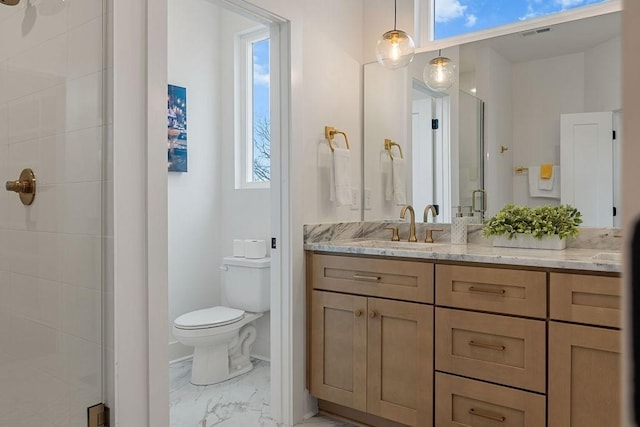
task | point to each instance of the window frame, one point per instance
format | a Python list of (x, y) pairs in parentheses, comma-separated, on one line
[(244, 144)]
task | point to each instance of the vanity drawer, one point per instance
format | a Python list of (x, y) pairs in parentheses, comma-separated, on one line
[(465, 402), (518, 292), (501, 349), (405, 280), (582, 298)]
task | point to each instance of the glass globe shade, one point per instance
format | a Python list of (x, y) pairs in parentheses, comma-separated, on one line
[(395, 49), (439, 74)]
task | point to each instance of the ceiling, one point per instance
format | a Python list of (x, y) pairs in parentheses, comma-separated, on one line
[(561, 39)]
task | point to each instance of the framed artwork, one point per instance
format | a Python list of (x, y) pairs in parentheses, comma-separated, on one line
[(177, 129)]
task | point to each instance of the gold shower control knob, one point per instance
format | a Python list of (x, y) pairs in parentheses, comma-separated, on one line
[(25, 186)]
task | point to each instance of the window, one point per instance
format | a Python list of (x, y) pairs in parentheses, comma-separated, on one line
[(456, 17), (253, 170)]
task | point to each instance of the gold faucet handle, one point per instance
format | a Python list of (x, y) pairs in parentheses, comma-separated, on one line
[(429, 237), (394, 229)]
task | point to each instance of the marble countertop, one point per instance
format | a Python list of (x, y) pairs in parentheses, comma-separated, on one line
[(573, 259)]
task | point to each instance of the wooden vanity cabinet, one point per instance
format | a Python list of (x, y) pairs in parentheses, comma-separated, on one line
[(584, 360), (512, 346), (371, 354)]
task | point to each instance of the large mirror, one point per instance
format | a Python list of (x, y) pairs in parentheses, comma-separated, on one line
[(550, 96)]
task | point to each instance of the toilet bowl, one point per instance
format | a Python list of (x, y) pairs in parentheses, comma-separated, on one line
[(222, 336)]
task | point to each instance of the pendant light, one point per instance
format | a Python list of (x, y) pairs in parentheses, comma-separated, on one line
[(396, 48), (440, 73)]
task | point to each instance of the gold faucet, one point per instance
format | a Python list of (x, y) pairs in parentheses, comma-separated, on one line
[(432, 209), (412, 225), (434, 214)]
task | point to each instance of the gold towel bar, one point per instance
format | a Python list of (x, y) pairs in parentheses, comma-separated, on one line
[(330, 132), (388, 145), (521, 169)]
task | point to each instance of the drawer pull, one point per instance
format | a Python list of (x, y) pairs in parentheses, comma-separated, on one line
[(487, 414), (369, 278), (486, 290), (358, 313), (487, 346), (373, 314)]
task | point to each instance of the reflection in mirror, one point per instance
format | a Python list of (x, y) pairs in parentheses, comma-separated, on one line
[(540, 90)]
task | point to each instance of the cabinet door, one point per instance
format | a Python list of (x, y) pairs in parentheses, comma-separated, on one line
[(584, 376), (400, 361), (338, 348)]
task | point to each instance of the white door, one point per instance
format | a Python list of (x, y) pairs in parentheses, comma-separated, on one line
[(586, 166), (51, 252)]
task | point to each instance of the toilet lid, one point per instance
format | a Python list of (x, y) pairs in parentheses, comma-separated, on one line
[(209, 317)]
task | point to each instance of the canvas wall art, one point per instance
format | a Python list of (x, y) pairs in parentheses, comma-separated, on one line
[(177, 128)]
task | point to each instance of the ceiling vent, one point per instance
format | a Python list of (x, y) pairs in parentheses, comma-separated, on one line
[(536, 32)]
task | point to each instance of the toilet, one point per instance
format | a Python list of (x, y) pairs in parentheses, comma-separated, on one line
[(222, 336)]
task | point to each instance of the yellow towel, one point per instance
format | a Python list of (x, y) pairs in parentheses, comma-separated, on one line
[(546, 170)]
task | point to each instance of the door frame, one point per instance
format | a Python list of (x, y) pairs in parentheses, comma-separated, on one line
[(139, 369)]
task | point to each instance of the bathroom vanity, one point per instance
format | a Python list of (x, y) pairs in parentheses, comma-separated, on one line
[(452, 335)]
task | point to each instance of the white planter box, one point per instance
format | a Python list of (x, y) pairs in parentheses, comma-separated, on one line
[(529, 242)]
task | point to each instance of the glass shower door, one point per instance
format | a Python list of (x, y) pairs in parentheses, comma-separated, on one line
[(51, 252)]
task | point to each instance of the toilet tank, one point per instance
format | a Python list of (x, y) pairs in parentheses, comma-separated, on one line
[(247, 283)]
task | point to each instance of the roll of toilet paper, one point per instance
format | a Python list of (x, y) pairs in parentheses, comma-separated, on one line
[(238, 248), (255, 248)]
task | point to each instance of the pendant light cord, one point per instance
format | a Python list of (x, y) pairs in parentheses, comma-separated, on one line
[(395, 13)]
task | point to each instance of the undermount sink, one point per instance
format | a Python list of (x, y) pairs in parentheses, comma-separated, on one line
[(608, 256), (388, 244)]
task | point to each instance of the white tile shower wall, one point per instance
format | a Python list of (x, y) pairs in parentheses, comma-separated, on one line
[(51, 119)]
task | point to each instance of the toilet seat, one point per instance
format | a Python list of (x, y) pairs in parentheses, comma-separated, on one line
[(209, 318)]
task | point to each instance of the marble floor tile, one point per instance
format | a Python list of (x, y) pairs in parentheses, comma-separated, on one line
[(243, 401)]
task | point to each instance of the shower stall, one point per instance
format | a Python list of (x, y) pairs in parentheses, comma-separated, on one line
[(54, 280)]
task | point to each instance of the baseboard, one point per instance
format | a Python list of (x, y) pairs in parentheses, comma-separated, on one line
[(259, 357), (182, 359), (179, 352)]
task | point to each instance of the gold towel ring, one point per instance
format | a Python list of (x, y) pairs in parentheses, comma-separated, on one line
[(388, 145), (330, 132)]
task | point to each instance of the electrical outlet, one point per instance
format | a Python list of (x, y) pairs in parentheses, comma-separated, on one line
[(355, 199), (367, 199)]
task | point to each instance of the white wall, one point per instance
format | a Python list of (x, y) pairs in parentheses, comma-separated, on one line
[(469, 148), (194, 199), (542, 90), (384, 88), (492, 74), (333, 97), (244, 213), (603, 76), (52, 120), (581, 82)]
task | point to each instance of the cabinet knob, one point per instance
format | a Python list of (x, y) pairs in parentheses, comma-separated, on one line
[(372, 314), (358, 313)]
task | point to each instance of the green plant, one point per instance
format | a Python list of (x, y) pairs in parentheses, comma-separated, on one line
[(539, 222)]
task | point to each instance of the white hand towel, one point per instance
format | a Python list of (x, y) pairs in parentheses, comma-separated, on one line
[(341, 177), (547, 184), (386, 168), (534, 184), (399, 181)]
